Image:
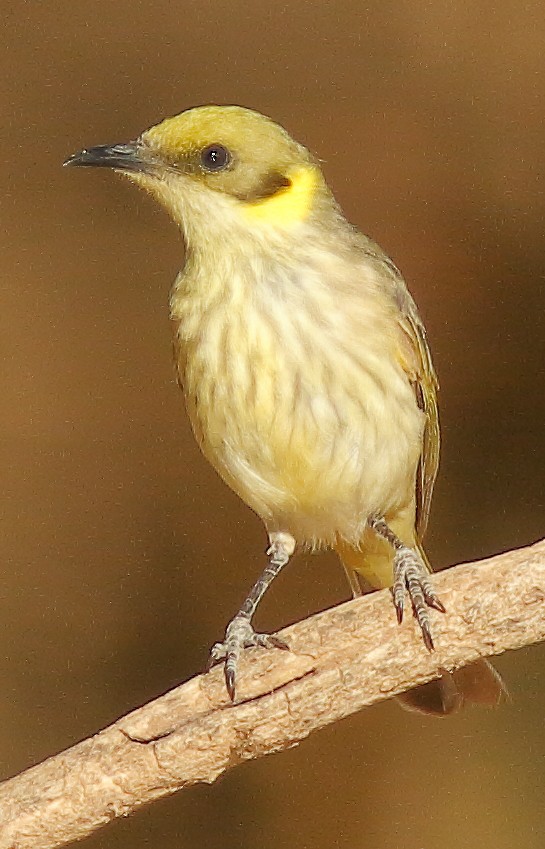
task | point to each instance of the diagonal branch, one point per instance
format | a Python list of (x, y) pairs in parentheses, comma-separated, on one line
[(341, 660)]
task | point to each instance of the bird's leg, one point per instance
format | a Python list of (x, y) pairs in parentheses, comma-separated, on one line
[(412, 576), (240, 633)]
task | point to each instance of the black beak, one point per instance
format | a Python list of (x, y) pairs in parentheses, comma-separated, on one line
[(123, 157)]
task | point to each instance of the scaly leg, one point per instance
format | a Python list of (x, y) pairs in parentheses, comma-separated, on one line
[(412, 576), (240, 634)]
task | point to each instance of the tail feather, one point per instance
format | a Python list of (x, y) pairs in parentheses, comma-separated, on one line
[(477, 683)]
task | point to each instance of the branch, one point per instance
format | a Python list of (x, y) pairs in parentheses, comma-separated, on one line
[(341, 660)]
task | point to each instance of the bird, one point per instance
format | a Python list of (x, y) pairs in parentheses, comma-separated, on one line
[(304, 364)]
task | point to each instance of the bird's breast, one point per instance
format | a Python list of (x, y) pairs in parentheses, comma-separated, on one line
[(298, 402)]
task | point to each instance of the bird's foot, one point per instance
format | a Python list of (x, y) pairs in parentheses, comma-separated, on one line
[(411, 576), (238, 636)]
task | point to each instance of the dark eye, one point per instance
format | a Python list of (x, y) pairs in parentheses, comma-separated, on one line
[(215, 157)]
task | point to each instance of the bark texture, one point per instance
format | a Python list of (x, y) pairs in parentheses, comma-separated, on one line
[(341, 660)]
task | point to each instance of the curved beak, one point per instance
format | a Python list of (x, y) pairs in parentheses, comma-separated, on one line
[(122, 157)]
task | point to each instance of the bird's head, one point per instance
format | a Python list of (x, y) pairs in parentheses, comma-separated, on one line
[(221, 164)]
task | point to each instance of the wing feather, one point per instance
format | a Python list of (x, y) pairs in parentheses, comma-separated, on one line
[(415, 357), (422, 375)]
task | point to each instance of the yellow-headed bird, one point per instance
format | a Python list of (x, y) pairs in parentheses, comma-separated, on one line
[(303, 361)]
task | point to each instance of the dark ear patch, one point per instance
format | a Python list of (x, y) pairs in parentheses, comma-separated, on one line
[(271, 184)]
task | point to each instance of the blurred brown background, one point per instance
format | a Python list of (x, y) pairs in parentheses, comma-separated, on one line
[(123, 554)]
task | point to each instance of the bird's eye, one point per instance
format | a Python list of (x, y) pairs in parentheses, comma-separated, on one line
[(215, 157)]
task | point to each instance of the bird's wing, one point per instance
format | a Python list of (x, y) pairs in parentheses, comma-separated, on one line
[(416, 358)]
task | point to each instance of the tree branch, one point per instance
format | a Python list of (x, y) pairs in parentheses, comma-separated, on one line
[(341, 660)]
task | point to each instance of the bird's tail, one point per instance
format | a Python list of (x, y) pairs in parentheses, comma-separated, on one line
[(370, 567)]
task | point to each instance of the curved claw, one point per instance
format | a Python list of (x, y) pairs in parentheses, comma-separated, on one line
[(435, 602), (230, 678), (240, 635), (411, 576)]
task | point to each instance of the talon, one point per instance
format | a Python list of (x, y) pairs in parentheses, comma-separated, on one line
[(399, 601), (436, 603), (230, 676), (240, 635), (411, 576), (428, 639)]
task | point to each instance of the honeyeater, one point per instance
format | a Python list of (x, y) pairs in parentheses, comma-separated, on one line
[(304, 365)]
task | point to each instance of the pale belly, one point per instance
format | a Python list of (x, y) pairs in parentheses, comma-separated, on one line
[(297, 394), (313, 446)]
